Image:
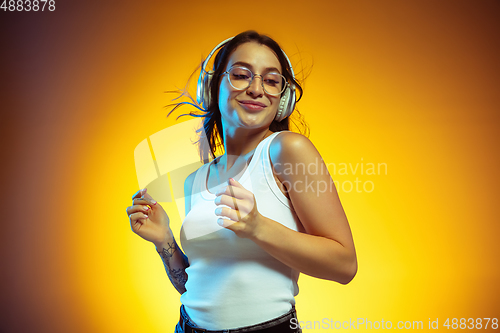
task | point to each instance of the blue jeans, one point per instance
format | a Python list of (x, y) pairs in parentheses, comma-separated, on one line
[(281, 324)]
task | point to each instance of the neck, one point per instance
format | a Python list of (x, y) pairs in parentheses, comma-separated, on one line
[(240, 144)]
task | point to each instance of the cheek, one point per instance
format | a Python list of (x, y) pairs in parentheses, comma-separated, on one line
[(224, 96), (275, 102)]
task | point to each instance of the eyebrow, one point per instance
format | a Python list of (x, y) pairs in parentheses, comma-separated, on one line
[(246, 64)]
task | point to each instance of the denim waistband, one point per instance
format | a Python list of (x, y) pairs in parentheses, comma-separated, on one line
[(186, 325)]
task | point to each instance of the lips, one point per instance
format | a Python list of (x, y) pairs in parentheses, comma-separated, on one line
[(252, 105)]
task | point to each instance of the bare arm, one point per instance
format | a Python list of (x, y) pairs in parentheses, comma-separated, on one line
[(326, 249), (150, 221), (175, 262)]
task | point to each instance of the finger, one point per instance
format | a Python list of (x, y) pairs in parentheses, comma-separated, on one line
[(229, 213), (137, 208), (148, 197), (137, 218), (139, 193), (235, 192), (235, 183), (229, 201), (143, 201), (235, 204), (225, 223)]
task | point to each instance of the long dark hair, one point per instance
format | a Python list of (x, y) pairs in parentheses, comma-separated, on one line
[(211, 138)]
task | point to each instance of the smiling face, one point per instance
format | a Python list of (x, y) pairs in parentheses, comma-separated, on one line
[(252, 107)]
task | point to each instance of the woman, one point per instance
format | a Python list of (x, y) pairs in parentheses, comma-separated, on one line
[(247, 239)]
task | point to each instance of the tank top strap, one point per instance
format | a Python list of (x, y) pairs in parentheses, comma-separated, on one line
[(198, 185), (261, 147), (270, 138), (268, 170), (261, 151)]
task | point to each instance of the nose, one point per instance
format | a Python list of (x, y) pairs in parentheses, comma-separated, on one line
[(256, 87)]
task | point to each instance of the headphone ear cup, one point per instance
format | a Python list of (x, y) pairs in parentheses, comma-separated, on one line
[(205, 90), (282, 106), (287, 104)]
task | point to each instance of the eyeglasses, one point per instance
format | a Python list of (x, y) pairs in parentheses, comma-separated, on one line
[(241, 78)]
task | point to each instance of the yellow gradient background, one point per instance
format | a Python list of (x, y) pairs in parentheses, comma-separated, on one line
[(409, 84)]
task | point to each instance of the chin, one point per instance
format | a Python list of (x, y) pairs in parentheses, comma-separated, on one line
[(255, 120)]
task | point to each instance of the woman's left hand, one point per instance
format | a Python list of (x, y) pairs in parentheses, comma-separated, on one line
[(243, 217)]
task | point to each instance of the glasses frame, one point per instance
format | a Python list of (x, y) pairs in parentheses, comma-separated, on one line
[(261, 80)]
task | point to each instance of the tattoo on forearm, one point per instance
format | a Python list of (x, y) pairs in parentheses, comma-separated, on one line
[(177, 276)]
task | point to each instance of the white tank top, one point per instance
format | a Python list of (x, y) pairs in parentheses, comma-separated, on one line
[(232, 282)]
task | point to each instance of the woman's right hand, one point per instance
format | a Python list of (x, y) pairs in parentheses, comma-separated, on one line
[(148, 219)]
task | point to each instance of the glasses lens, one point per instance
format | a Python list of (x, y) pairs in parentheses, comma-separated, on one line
[(274, 83), (240, 77)]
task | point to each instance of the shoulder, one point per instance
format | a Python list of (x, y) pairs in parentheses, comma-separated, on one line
[(188, 190), (188, 183), (290, 147)]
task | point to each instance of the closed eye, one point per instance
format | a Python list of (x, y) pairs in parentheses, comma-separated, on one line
[(240, 76), (272, 82)]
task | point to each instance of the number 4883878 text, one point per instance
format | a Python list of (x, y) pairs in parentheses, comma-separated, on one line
[(28, 5)]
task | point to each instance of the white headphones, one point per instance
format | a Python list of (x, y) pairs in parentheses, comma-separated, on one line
[(287, 101)]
